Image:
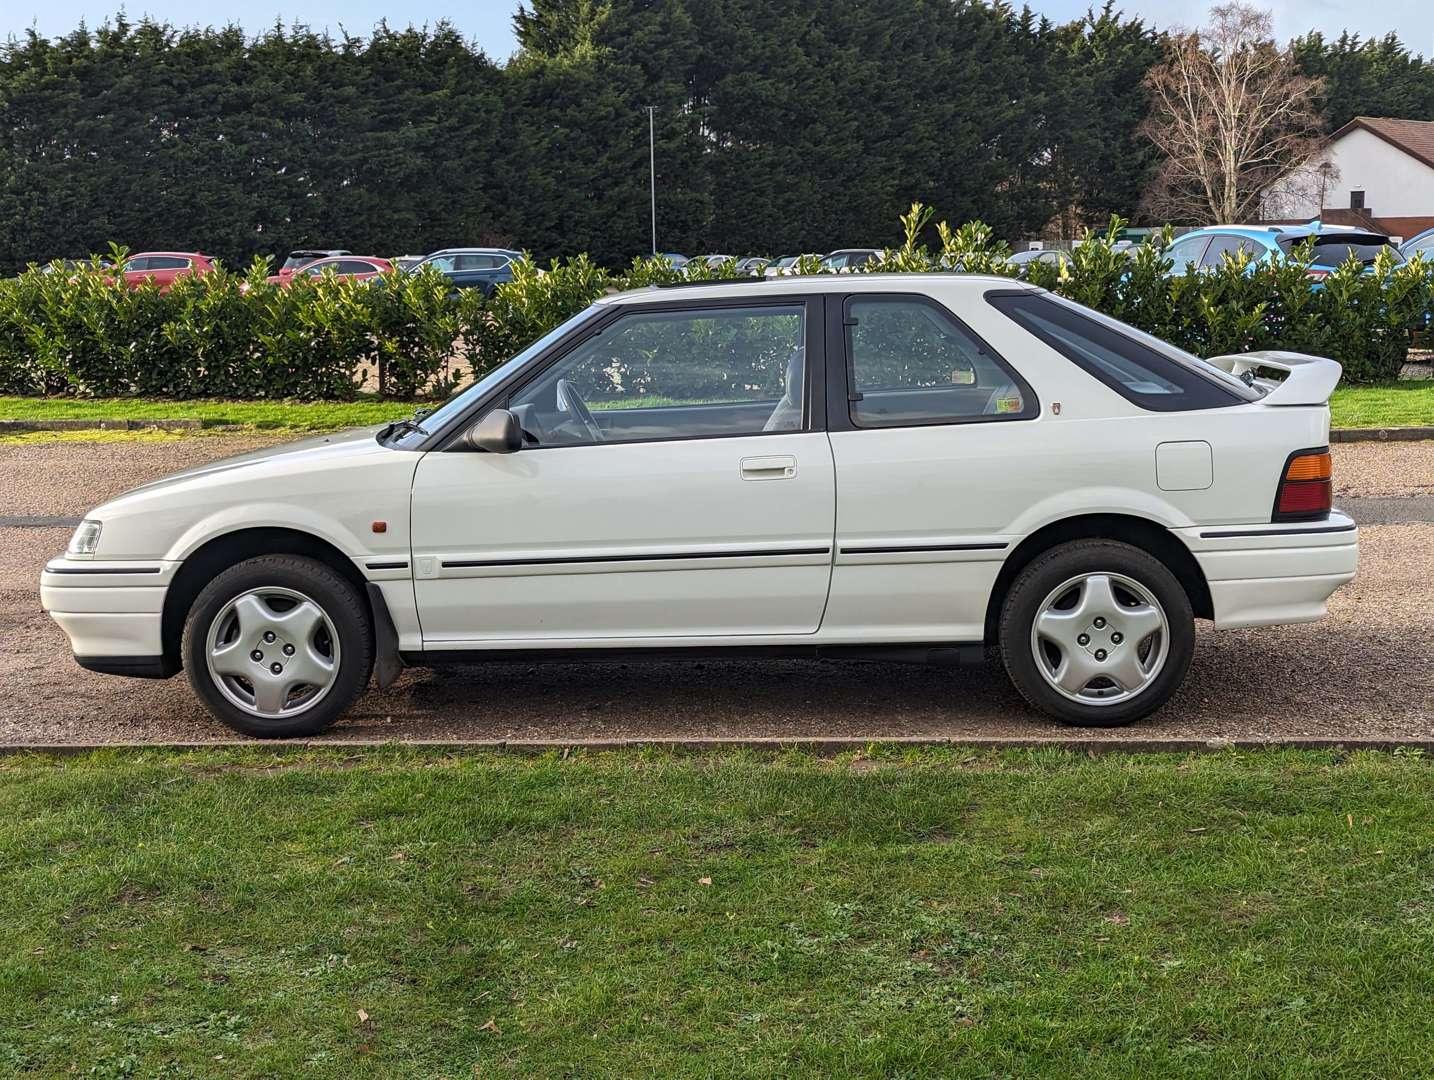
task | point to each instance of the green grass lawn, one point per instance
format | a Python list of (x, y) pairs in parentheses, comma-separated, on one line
[(917, 913), (1409, 403), (259, 415), (1402, 404)]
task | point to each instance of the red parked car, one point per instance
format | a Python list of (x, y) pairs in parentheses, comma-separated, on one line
[(354, 266), (163, 267)]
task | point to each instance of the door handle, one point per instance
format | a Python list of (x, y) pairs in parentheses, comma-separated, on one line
[(779, 467)]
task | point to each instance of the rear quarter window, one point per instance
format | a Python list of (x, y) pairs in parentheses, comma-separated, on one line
[(1139, 368)]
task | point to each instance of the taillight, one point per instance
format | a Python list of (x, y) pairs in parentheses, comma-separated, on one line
[(1305, 487)]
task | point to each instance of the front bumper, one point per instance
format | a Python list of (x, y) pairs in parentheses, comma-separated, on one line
[(111, 611), (1266, 575)]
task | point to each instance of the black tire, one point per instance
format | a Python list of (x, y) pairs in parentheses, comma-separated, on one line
[(340, 602), (1046, 573)]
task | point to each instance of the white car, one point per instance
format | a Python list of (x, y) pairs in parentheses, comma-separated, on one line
[(903, 466)]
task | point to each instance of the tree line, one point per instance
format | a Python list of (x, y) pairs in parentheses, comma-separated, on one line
[(781, 126)]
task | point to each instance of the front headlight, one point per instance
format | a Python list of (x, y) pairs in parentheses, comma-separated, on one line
[(86, 539)]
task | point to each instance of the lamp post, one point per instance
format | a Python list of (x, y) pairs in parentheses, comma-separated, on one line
[(652, 169)]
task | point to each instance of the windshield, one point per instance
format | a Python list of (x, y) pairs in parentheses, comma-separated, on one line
[(455, 405)]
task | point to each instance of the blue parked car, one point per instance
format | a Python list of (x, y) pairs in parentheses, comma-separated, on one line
[(1422, 243), (1204, 248)]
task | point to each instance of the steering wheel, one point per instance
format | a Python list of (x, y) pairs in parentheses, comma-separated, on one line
[(572, 403)]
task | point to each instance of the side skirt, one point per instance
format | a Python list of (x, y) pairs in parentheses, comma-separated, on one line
[(945, 654)]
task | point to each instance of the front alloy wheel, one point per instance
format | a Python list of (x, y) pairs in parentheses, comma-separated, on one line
[(278, 646), (273, 652)]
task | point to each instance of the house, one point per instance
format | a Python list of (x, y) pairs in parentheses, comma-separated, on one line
[(1374, 173)]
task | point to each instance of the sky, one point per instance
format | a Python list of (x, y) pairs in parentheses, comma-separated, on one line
[(489, 22)]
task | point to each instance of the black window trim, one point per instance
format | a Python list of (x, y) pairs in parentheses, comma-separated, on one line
[(841, 381), (814, 391), (1100, 375)]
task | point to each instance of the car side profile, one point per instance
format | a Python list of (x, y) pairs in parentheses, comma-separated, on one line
[(359, 267), (1332, 246), (483, 269), (901, 466), (163, 268), (848, 259)]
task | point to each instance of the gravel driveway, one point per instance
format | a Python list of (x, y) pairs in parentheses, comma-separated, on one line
[(1366, 672)]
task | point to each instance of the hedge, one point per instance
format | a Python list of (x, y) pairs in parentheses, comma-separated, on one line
[(234, 335)]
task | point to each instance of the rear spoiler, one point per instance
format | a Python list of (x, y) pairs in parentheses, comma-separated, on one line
[(1309, 380)]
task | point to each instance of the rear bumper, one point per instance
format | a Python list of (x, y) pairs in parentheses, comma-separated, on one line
[(1265, 575)]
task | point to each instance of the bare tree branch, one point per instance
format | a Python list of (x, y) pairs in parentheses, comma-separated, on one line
[(1231, 114)]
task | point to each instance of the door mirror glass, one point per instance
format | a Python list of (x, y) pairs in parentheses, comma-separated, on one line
[(497, 433)]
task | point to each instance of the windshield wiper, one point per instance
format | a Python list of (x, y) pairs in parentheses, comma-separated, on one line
[(406, 425)]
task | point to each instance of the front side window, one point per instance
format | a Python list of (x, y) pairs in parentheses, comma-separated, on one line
[(673, 374), (1184, 253), (133, 265), (1227, 245), (1141, 369), (910, 362)]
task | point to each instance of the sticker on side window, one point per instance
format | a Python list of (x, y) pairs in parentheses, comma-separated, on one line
[(1008, 404)]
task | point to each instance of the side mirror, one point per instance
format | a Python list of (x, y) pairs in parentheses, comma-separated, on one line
[(498, 433)]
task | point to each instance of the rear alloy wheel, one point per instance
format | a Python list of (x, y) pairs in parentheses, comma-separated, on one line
[(278, 646), (1097, 633)]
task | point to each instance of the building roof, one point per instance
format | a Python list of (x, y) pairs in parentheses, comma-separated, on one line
[(1414, 137)]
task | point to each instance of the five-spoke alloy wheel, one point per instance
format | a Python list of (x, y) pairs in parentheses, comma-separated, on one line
[(278, 645), (1097, 632)]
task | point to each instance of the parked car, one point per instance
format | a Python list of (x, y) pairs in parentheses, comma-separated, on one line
[(1203, 249), (1054, 256), (714, 261), (753, 265), (1422, 243), (850, 259), (304, 256), (676, 260), (163, 267), (786, 264), (407, 262), (354, 266), (982, 464), (472, 268)]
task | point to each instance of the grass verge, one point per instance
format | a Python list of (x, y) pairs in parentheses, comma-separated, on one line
[(1408, 403), (258, 415), (915, 913)]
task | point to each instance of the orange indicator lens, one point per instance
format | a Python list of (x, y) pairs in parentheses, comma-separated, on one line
[(1309, 467)]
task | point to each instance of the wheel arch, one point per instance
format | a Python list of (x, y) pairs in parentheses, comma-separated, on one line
[(219, 553), (1139, 532)]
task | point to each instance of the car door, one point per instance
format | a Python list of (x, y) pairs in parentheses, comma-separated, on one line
[(675, 483), (929, 432)]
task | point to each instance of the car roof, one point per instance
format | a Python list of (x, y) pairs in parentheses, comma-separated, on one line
[(474, 251), (805, 284), (1273, 233), (176, 254)]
